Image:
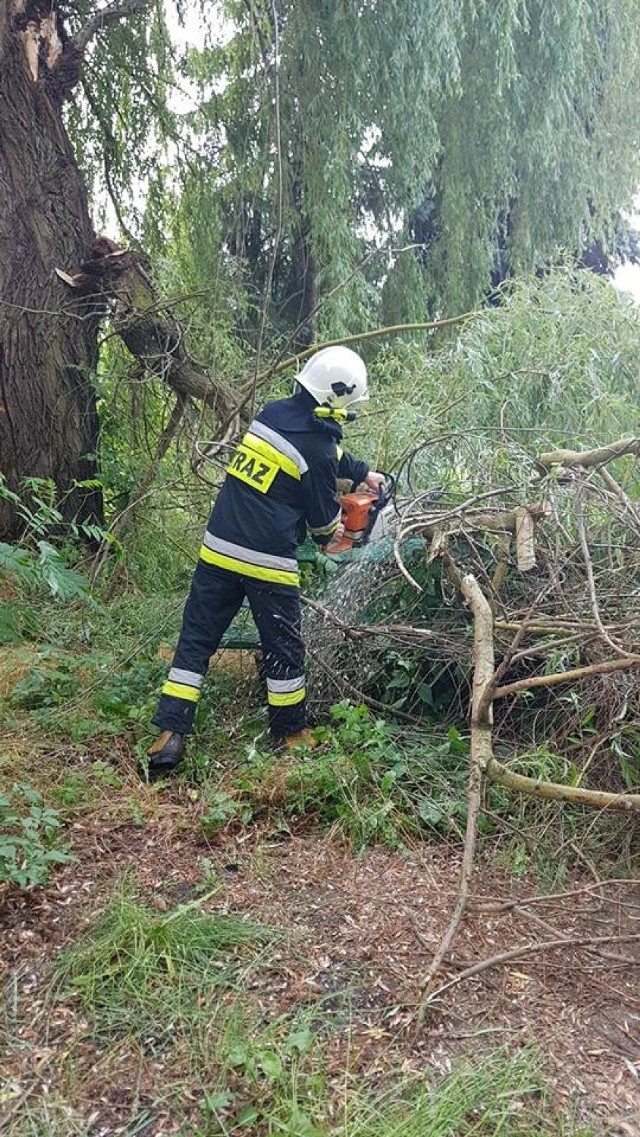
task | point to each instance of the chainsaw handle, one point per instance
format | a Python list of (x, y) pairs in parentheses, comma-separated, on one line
[(386, 488)]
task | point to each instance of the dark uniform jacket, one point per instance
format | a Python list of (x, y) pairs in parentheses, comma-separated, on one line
[(281, 483)]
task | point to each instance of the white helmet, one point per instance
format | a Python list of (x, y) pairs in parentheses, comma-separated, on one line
[(336, 377)]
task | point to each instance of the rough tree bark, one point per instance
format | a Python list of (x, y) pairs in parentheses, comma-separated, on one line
[(48, 421), (57, 277)]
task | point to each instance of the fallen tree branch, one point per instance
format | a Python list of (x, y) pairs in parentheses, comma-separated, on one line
[(528, 949), (480, 904), (577, 673), (551, 930), (556, 791), (480, 755), (589, 458)]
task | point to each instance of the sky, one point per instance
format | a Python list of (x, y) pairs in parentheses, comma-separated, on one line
[(627, 279)]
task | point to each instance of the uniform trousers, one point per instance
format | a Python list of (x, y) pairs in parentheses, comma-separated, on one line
[(214, 599)]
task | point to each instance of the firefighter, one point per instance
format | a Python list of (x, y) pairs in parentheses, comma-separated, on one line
[(280, 483)]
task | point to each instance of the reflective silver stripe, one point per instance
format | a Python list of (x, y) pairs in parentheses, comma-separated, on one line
[(250, 556), (326, 530), (283, 685), (191, 678), (280, 443)]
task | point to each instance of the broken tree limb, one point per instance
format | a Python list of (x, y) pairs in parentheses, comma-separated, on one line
[(576, 673), (480, 754), (146, 325), (589, 458), (556, 791)]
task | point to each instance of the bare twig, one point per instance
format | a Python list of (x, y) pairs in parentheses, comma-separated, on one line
[(528, 949), (481, 904), (591, 584), (103, 17), (617, 489)]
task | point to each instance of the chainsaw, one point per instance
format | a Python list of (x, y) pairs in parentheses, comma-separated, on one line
[(366, 516)]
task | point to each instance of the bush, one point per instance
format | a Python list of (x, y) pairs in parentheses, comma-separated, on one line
[(28, 838)]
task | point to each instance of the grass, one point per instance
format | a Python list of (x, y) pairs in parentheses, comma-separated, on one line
[(136, 971), (501, 1095), (274, 1083)]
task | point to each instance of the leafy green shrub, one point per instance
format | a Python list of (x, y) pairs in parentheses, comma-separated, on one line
[(28, 838), (376, 785), (220, 809), (31, 570), (90, 694), (36, 567)]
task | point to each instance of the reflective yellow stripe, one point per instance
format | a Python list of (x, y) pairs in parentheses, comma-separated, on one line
[(181, 691), (270, 452), (286, 698), (258, 572)]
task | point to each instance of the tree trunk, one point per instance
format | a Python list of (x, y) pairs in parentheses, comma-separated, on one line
[(48, 335)]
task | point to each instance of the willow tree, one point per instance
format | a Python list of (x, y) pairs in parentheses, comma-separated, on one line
[(325, 137), (491, 134)]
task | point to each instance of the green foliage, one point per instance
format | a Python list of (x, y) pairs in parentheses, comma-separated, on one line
[(499, 1095), (368, 782), (36, 567), (283, 1089), (219, 809), (554, 364), (31, 571), (448, 126), (90, 694), (29, 832), (80, 789)]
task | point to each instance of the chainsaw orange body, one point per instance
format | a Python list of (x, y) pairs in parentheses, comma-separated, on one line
[(356, 518), (362, 515)]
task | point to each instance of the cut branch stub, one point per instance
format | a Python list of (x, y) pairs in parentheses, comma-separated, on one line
[(525, 540)]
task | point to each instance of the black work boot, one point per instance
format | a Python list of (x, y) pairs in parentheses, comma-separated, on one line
[(165, 754)]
